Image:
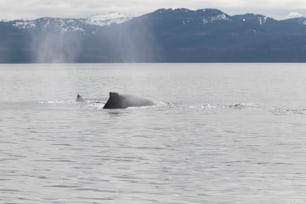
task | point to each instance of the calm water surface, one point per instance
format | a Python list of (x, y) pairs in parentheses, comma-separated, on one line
[(220, 133)]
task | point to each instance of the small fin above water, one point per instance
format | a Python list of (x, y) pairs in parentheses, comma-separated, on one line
[(79, 98)]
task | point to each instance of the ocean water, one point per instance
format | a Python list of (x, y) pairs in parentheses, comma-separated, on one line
[(220, 133)]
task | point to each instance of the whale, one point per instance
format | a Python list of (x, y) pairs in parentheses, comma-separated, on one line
[(118, 101)]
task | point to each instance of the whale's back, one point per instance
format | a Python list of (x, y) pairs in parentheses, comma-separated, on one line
[(124, 101)]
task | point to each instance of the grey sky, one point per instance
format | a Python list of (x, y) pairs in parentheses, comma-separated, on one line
[(29, 9)]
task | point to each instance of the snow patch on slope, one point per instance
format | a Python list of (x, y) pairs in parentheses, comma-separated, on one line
[(24, 24), (220, 17), (262, 19), (108, 19)]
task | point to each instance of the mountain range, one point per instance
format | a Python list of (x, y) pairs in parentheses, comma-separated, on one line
[(165, 35)]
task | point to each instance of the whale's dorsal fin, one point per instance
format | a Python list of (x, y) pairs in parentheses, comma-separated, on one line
[(113, 94), (79, 98), (124, 101)]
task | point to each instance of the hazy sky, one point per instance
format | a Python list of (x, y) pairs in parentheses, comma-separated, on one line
[(29, 9)]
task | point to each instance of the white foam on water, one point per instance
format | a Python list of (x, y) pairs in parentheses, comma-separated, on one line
[(67, 102)]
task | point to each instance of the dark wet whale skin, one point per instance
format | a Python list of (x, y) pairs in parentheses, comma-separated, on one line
[(124, 101)]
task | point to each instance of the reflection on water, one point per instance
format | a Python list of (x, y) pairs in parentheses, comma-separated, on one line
[(217, 135)]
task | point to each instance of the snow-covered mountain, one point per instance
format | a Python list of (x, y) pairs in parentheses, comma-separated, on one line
[(72, 24), (48, 23), (165, 35)]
